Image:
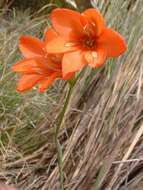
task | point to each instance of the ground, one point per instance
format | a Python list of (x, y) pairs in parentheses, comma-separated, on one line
[(102, 131)]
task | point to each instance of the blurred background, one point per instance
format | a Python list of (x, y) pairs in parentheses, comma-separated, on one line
[(102, 135)]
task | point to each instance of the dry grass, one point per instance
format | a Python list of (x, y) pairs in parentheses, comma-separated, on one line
[(103, 131)]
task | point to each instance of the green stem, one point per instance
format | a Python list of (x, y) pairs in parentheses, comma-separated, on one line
[(58, 146), (58, 126)]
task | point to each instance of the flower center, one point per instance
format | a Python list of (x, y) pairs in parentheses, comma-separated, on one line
[(89, 43)]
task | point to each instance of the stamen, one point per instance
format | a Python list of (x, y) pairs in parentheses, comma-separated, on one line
[(85, 27), (93, 24)]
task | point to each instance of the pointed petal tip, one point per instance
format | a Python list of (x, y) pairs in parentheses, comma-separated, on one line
[(19, 89), (41, 90), (31, 46)]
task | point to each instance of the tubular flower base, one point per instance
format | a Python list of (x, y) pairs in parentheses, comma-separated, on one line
[(38, 67), (84, 39)]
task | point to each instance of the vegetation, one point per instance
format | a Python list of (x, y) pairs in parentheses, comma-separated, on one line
[(102, 133)]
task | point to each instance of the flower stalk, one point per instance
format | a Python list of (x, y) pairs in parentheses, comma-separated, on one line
[(57, 142)]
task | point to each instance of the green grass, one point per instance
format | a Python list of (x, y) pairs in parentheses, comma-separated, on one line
[(21, 113)]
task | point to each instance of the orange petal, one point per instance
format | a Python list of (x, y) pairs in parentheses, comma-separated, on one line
[(45, 83), (27, 82), (95, 19), (95, 58), (67, 23), (27, 66), (49, 63), (31, 46), (72, 62), (50, 35), (112, 42), (37, 65), (59, 45)]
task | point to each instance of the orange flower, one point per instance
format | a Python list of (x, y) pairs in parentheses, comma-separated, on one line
[(84, 39), (38, 67)]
